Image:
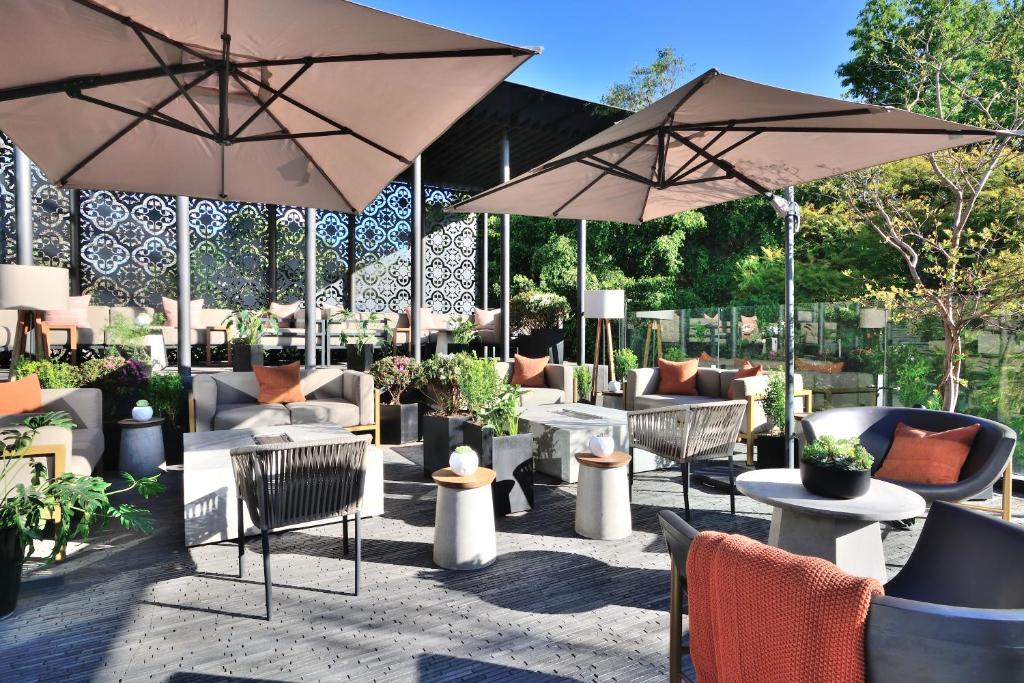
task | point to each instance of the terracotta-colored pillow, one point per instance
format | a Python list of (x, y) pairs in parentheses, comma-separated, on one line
[(923, 457), (529, 372), (77, 313), (279, 384), (678, 377), (21, 396), (170, 307), (748, 370), (485, 318)]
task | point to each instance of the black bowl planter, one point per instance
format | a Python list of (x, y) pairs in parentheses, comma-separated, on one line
[(834, 483), (245, 355), (359, 360), (771, 452), (12, 556), (441, 434), (400, 424)]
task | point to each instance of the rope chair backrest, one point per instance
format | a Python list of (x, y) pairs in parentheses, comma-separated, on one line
[(292, 483), (661, 431), (713, 429)]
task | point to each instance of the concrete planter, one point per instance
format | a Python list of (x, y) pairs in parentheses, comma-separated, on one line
[(245, 355), (400, 424), (359, 360), (441, 434), (511, 458)]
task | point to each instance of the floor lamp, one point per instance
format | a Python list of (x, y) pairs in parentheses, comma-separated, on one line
[(30, 290), (653, 337), (604, 305)]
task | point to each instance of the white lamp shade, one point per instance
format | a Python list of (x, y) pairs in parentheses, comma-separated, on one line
[(656, 315), (873, 318), (33, 288), (606, 304)]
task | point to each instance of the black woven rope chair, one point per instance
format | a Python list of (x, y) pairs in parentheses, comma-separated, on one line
[(294, 483), (954, 612)]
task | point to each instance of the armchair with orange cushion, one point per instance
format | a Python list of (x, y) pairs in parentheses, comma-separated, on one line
[(954, 612), (542, 383), (988, 454)]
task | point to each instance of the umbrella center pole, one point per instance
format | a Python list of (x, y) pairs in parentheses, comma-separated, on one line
[(225, 74), (792, 221)]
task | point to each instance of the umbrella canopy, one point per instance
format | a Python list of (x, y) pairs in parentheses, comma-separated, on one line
[(317, 103), (715, 139)]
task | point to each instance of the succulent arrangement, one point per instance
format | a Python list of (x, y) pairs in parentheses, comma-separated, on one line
[(839, 454)]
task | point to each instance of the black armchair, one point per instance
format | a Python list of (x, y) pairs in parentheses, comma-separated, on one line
[(955, 612), (284, 484), (989, 456)]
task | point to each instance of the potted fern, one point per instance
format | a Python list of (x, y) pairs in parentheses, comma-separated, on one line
[(248, 328), (836, 468), (493, 432), (30, 497)]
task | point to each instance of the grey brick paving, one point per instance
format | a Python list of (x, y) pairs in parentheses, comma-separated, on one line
[(554, 607)]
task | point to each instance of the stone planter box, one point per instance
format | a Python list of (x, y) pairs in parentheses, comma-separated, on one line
[(359, 360), (541, 343), (400, 424), (441, 434), (244, 356), (511, 458)]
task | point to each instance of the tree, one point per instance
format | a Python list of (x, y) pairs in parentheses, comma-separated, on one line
[(954, 217), (647, 84)]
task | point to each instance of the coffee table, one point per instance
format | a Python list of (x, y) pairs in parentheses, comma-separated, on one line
[(845, 532), (564, 429), (211, 509)]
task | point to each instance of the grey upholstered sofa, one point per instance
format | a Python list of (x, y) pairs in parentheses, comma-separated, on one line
[(345, 398), (558, 380), (83, 445), (874, 426)]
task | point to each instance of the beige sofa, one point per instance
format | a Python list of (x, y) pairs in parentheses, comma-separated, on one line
[(712, 385), (83, 446), (557, 378), (227, 400)]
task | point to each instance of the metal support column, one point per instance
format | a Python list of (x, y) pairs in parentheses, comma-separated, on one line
[(272, 243), (506, 277), (309, 293), (581, 288), (23, 206), (184, 289), (75, 239), (791, 225), (350, 275), (415, 324), (484, 259)]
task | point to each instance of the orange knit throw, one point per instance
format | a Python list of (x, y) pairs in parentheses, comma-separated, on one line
[(758, 613)]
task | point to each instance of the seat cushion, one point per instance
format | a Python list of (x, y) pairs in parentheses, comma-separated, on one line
[(748, 370), (922, 457), (668, 400), (236, 415), (677, 377), (541, 396), (279, 384), (336, 411), (86, 450)]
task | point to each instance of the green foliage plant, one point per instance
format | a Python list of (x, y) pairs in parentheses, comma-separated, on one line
[(129, 334), (166, 393), (52, 374), (439, 381), (774, 402), (366, 328), (584, 381), (673, 353), (394, 375), (250, 326), (462, 332), (625, 360), (537, 310), (489, 398), (77, 502), (840, 454)]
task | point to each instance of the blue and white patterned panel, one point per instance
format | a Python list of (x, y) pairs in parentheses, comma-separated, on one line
[(383, 275), (8, 236), (449, 253), (230, 254), (51, 222), (332, 258)]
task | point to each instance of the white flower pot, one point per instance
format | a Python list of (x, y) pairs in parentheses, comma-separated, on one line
[(464, 461), (615, 386), (142, 413), (601, 445)]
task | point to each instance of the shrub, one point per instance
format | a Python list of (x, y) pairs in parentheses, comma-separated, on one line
[(625, 360), (439, 381), (52, 374), (774, 401), (673, 353), (479, 385), (584, 382), (166, 393), (840, 454), (537, 310), (462, 332), (394, 375)]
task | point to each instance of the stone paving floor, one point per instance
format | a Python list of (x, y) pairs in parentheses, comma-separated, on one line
[(554, 607)]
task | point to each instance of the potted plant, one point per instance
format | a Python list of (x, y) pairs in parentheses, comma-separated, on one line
[(493, 432), (142, 411), (443, 424), (128, 336), (360, 343), (584, 383), (538, 316), (771, 446), (461, 335), (625, 360), (399, 422), (31, 497), (248, 328), (836, 468), (166, 394)]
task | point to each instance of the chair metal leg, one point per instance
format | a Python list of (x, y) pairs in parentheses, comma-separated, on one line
[(359, 549), (344, 535), (675, 627), (266, 567), (630, 473), (241, 540), (732, 488), (686, 489)]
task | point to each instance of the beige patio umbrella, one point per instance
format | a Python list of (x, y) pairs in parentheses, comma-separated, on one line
[(715, 139), (318, 103)]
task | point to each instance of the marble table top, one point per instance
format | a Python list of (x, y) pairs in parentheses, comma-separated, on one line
[(574, 416), (781, 488)]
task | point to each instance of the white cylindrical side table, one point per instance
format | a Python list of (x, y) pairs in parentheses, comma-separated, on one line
[(142, 446), (464, 520), (602, 497)]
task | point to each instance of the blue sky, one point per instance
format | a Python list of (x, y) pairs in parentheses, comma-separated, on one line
[(795, 44)]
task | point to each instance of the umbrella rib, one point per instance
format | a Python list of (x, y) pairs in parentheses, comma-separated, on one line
[(679, 176), (508, 51), (678, 171), (600, 176), (604, 165), (324, 118), (127, 129), (836, 129), (173, 77), (790, 117), (305, 152), (162, 119), (270, 100), (722, 164)]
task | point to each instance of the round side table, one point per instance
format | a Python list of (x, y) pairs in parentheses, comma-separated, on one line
[(464, 520), (602, 496), (142, 446)]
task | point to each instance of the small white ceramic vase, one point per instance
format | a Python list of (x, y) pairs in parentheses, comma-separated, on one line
[(464, 461), (601, 445), (615, 386), (142, 413)]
